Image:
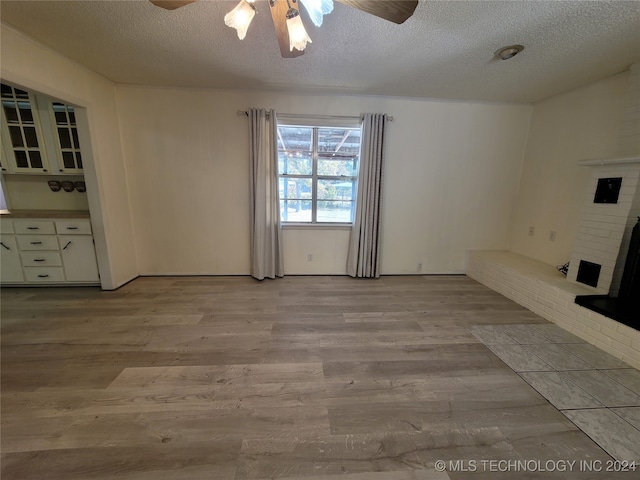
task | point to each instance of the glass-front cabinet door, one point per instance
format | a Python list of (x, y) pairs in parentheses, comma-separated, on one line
[(21, 134), (63, 118)]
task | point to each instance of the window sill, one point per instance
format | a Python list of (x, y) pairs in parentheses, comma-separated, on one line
[(313, 226)]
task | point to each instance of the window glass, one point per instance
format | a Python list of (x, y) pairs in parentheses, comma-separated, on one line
[(65, 138), (16, 136), (296, 210), (21, 93), (295, 165), (295, 188), (36, 159), (30, 136), (332, 166), (336, 189), (21, 159), (68, 160), (25, 112), (335, 211), (74, 135), (61, 117), (10, 111)]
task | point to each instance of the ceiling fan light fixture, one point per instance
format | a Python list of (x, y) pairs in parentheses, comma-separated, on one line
[(240, 17), (317, 9), (511, 51), (298, 37)]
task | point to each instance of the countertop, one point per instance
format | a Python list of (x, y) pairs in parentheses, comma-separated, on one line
[(44, 214)]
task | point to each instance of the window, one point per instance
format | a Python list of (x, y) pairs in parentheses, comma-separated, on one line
[(317, 172)]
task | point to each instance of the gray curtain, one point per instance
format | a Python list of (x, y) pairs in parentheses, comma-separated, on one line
[(363, 259), (266, 232)]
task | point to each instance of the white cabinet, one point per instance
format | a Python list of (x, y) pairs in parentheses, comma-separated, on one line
[(40, 251), (10, 266), (79, 258), (39, 135), (21, 133)]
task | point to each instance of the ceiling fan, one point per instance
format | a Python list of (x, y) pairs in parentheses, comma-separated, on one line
[(292, 37)]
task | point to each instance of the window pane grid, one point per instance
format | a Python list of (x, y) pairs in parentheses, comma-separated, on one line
[(22, 132), (68, 141), (318, 170)]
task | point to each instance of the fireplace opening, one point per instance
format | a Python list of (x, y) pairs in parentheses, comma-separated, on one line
[(630, 284), (588, 273), (625, 308), (608, 190)]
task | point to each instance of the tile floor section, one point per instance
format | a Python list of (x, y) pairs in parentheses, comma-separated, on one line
[(597, 392)]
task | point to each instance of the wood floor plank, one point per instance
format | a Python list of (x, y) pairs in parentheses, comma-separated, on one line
[(215, 375), (215, 460), (152, 428), (373, 452)]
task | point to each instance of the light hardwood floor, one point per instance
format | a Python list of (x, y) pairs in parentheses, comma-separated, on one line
[(230, 378)]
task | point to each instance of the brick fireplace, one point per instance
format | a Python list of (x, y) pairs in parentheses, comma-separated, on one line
[(610, 212)]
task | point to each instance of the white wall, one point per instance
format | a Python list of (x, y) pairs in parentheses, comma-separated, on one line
[(40, 69), (451, 177), (577, 125)]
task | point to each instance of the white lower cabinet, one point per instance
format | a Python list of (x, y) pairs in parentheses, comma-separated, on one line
[(41, 251), (10, 266), (79, 258)]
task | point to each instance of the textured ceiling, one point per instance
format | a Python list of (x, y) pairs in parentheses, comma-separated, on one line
[(444, 51)]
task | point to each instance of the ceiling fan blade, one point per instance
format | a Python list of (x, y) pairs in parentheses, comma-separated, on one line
[(171, 4), (396, 11), (279, 15)]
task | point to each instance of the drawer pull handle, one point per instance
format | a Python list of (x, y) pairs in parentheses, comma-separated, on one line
[(43, 276), (72, 228), (36, 243), (2, 243), (39, 260), (33, 228), (65, 247)]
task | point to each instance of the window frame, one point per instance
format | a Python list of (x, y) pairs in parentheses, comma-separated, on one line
[(316, 124)]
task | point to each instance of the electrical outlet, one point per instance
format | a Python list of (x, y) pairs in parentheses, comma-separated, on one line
[(419, 267), (309, 257), (532, 230), (552, 236)]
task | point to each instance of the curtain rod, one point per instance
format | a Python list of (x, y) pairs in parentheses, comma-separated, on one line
[(246, 113)]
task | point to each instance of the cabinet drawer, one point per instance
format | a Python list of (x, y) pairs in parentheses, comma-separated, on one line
[(73, 227), (44, 274), (34, 227), (41, 259), (37, 242)]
